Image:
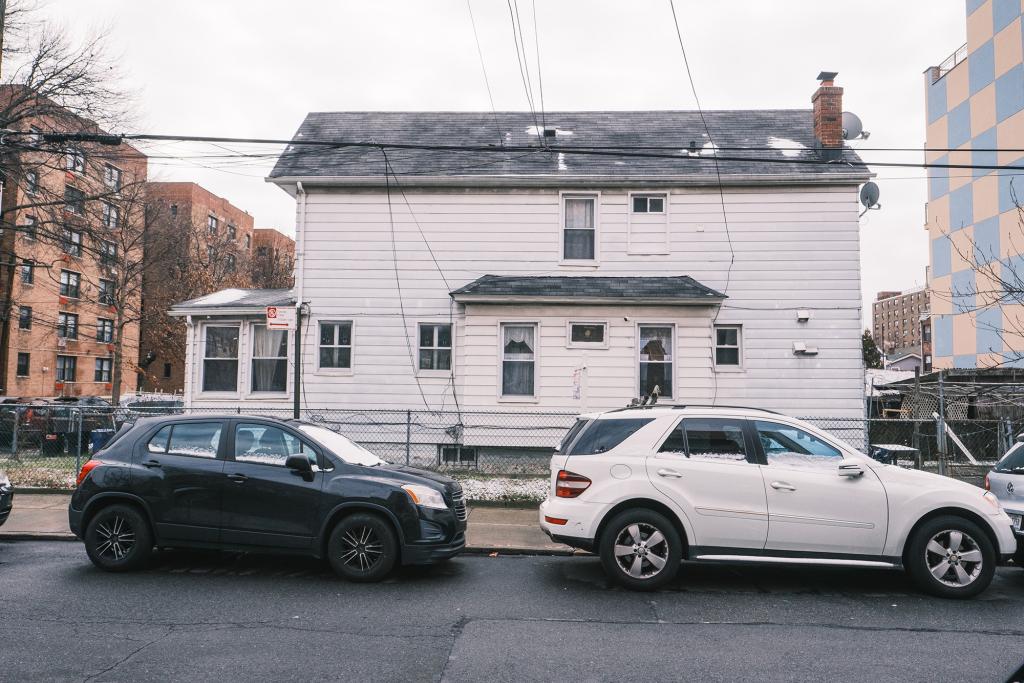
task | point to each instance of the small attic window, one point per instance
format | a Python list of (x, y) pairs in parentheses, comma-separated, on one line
[(647, 203)]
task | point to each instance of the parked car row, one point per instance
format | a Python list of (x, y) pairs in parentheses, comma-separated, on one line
[(645, 488)]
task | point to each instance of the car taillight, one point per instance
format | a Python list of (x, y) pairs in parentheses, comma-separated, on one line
[(86, 469), (988, 486), (569, 484)]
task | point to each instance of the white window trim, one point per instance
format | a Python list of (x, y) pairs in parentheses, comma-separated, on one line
[(570, 344), (434, 373), (675, 358), (201, 357), (629, 223), (579, 263), (535, 398), (335, 372), (249, 352), (714, 347)]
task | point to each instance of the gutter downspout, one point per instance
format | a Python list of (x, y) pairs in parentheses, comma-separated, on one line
[(300, 264), (190, 359)]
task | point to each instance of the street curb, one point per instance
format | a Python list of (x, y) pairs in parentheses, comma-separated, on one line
[(37, 537)]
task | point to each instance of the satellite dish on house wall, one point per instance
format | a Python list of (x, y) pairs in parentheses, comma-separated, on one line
[(853, 129), (869, 194)]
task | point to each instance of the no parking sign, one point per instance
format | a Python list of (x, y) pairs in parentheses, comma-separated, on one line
[(280, 318)]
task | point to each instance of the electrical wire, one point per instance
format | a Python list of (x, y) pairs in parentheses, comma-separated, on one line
[(483, 68)]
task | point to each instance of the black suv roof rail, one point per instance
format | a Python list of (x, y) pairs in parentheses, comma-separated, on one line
[(693, 405)]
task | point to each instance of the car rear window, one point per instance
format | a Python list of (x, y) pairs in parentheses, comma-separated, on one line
[(1013, 461), (603, 435), (571, 434)]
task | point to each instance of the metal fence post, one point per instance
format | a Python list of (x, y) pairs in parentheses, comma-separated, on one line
[(940, 429), (78, 441), (14, 435), (408, 434)]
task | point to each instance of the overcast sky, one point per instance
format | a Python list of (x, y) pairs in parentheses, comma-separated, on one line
[(255, 68)]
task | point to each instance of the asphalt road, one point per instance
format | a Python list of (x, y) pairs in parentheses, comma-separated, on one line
[(225, 617)]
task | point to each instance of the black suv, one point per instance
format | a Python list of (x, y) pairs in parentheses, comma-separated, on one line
[(261, 484)]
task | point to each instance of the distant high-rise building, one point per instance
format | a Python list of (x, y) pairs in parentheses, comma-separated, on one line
[(896, 321)]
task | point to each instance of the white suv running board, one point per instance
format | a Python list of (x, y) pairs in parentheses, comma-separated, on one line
[(795, 560)]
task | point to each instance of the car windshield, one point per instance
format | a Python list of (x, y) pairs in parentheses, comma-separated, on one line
[(351, 453), (1013, 461)]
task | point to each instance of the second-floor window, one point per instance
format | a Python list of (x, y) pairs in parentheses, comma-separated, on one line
[(103, 369), (231, 263), (106, 292), (335, 345), (112, 177), (74, 160), (30, 228), (66, 366), (28, 271), (108, 252), (728, 346), (111, 215), (211, 224), (435, 347), (24, 317), (31, 182), (70, 284), (232, 232), (248, 241), (72, 242), (67, 325), (104, 330), (579, 228), (74, 200)]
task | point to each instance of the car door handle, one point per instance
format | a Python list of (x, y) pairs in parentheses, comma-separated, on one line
[(783, 486), (152, 463), (672, 474), (238, 478)]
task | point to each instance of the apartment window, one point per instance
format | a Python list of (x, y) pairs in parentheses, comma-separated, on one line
[(103, 368), (435, 347), (106, 292), (232, 232), (579, 232), (72, 242), (269, 359), (27, 271), (111, 215), (220, 358), (174, 210), (211, 224), (31, 228), (104, 330), (66, 367), (167, 370), (70, 283), (108, 252), (74, 160), (24, 364), (67, 325), (74, 200), (24, 317), (926, 333), (31, 182), (518, 359), (248, 241), (587, 335), (261, 251), (727, 346), (112, 177), (648, 203), (231, 263), (336, 345), (656, 360)]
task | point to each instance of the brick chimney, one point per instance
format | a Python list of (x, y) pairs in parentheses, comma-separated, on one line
[(828, 117)]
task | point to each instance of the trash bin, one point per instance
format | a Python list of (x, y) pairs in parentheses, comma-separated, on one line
[(99, 438)]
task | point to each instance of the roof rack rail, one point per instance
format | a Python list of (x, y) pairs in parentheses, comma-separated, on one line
[(683, 406)]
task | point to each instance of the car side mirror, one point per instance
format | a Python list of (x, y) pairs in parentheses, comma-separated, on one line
[(851, 470), (299, 463)]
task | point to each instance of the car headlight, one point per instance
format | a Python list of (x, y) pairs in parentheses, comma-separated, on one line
[(991, 499), (424, 496), (5, 481)]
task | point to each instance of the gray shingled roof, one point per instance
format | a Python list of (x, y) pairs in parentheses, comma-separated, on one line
[(682, 288), (765, 130), (237, 299)]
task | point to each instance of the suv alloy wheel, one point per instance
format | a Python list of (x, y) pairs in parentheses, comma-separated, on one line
[(641, 549), (118, 539), (951, 557), (362, 547)]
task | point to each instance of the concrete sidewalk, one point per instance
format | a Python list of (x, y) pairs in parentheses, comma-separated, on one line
[(44, 516)]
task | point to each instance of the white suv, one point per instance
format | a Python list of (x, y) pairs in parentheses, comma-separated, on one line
[(646, 488)]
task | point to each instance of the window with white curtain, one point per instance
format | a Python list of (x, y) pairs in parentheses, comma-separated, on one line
[(579, 230), (269, 359), (518, 359), (656, 359)]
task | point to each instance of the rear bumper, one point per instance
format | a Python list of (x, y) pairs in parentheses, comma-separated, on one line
[(424, 553), (6, 504), (75, 521)]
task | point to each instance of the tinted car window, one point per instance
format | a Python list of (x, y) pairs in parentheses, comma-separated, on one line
[(158, 444), (708, 439), (267, 445), (1013, 461), (571, 434), (786, 445), (196, 439), (604, 435)]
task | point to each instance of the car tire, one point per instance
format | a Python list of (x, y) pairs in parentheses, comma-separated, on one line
[(1018, 557), (951, 557), (363, 547), (118, 539), (647, 566)]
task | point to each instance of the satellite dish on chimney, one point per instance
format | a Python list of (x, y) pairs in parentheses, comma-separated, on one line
[(853, 129), (869, 194)]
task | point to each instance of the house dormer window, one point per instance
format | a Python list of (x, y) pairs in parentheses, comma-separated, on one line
[(579, 228)]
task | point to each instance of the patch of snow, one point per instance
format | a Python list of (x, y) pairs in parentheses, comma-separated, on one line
[(502, 488), (224, 296), (561, 162), (708, 150), (786, 146), (539, 130), (803, 460), (734, 457)]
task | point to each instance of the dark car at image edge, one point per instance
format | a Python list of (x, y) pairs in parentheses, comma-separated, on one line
[(261, 485)]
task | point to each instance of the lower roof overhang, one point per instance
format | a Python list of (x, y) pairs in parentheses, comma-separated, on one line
[(589, 300)]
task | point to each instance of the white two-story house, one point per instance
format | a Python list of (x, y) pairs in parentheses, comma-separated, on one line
[(525, 272)]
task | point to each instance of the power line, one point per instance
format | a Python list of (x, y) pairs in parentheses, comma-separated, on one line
[(483, 67), (524, 72), (540, 78)]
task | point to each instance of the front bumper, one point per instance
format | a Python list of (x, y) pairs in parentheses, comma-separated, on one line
[(429, 553), (6, 503)]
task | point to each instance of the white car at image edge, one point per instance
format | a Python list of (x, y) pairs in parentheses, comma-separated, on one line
[(646, 488)]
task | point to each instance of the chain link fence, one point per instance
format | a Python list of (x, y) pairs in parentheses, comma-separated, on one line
[(496, 455)]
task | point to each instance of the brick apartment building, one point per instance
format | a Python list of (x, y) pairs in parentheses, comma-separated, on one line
[(216, 243), (896, 321), (64, 210), (273, 264)]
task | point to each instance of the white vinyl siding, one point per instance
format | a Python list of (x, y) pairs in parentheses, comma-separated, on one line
[(648, 223)]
